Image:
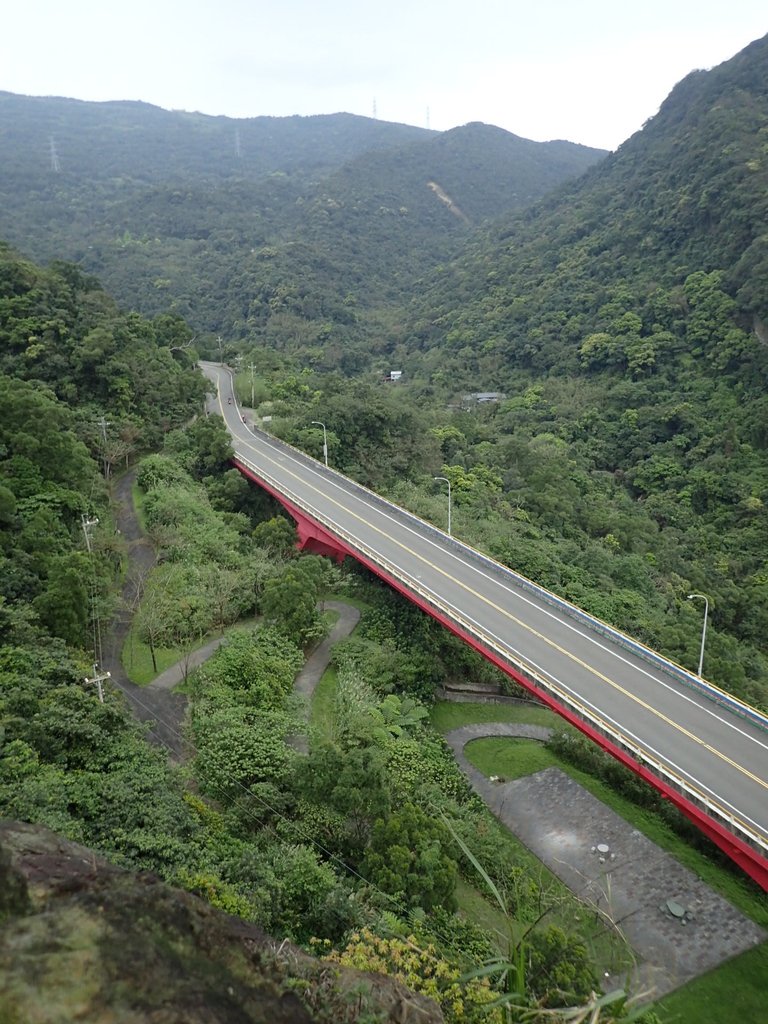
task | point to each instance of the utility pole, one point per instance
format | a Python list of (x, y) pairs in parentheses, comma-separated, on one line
[(104, 423), (99, 678), (252, 368), (88, 523)]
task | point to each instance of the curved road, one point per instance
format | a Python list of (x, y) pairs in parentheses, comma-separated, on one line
[(719, 757)]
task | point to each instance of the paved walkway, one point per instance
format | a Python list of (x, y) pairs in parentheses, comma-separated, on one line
[(177, 673), (630, 881), (555, 817), (317, 662), (156, 704)]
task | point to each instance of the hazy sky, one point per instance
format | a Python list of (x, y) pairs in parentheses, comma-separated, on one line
[(591, 71)]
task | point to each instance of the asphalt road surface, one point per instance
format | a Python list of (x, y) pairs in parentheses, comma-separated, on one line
[(718, 756)]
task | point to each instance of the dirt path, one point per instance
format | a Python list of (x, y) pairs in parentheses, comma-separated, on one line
[(162, 710)]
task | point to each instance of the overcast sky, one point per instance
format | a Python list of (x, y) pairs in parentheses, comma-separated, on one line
[(591, 71)]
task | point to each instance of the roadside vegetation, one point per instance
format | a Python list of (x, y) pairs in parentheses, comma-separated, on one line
[(621, 330)]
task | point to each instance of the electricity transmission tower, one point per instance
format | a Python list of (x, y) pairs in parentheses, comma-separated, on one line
[(55, 164)]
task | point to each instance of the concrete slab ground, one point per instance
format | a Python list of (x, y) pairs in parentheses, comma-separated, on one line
[(614, 869)]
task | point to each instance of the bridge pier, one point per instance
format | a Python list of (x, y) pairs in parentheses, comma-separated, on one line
[(315, 539), (312, 536)]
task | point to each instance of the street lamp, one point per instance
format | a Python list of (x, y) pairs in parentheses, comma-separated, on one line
[(701, 597), (317, 423), (447, 481)]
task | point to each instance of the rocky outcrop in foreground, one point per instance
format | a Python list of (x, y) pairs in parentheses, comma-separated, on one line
[(83, 940)]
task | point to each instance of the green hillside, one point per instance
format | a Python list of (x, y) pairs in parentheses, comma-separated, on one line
[(124, 141), (625, 321), (269, 228)]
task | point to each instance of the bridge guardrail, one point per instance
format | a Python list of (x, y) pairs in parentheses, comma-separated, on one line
[(661, 770), (596, 625)]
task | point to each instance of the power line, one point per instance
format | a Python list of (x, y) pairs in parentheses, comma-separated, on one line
[(403, 910)]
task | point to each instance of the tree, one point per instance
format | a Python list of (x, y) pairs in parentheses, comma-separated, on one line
[(422, 968), (289, 601), (560, 971), (175, 609), (277, 535), (352, 783), (238, 750), (229, 592), (258, 666), (406, 857), (63, 604)]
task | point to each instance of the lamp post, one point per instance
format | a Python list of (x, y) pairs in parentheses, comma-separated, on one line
[(447, 481), (252, 369), (317, 423), (701, 597)]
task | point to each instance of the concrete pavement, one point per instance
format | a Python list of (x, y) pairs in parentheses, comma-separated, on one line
[(628, 883)]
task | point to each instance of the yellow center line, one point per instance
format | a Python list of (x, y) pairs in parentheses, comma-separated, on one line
[(507, 614)]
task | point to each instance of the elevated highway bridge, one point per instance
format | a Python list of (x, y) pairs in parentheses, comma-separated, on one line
[(703, 749)]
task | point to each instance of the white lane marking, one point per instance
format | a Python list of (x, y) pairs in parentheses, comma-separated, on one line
[(513, 592), (620, 728), (275, 454), (321, 477)]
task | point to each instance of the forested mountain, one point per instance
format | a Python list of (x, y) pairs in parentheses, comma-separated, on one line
[(624, 465), (126, 141), (283, 229), (625, 320), (82, 387), (688, 193)]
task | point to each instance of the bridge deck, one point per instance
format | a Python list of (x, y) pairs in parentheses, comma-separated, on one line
[(714, 752)]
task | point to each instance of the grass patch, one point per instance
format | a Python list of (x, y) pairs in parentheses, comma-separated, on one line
[(447, 715), (330, 617), (486, 915), (321, 709), (735, 991), (137, 497), (519, 757), (362, 606)]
